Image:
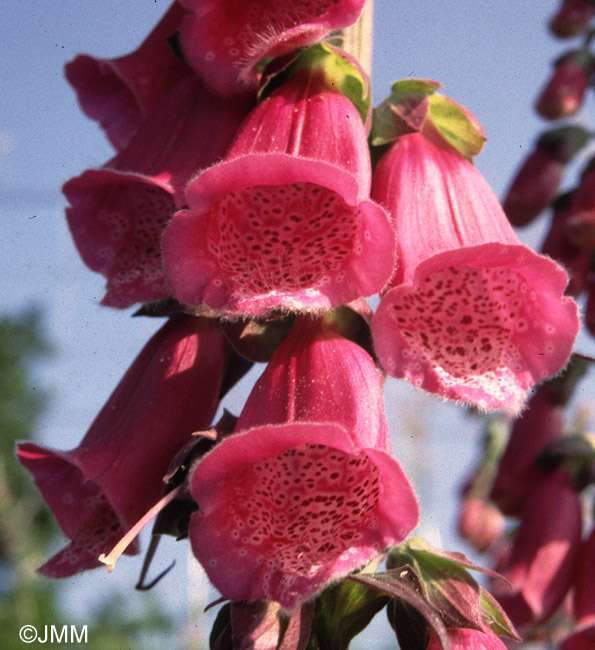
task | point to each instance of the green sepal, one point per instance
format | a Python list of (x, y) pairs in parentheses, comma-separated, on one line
[(339, 72), (403, 112), (341, 612), (456, 125), (495, 617)]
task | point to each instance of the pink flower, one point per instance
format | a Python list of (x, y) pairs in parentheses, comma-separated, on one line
[(573, 18), (542, 562), (558, 245), (540, 423), (119, 93), (564, 92), (225, 40), (285, 219), (306, 490), (534, 187), (118, 212), (100, 489), (471, 314), (480, 523), (467, 639), (584, 585)]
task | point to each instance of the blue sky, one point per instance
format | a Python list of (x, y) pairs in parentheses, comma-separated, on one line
[(490, 56)]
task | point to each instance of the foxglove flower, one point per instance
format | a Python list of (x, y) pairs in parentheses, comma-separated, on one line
[(285, 220), (470, 314), (584, 585), (100, 489), (573, 18), (306, 489), (542, 562), (517, 476), (225, 40), (564, 92), (119, 93), (559, 246), (118, 212)]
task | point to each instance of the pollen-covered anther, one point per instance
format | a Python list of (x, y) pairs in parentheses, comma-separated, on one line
[(284, 238)]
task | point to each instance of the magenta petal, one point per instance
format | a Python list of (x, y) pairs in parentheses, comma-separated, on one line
[(120, 92), (480, 324), (467, 639), (98, 490), (284, 510), (224, 40), (116, 220), (541, 566), (80, 508)]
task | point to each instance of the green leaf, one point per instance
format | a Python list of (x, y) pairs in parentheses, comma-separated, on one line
[(342, 611), (495, 617), (403, 112), (456, 125)]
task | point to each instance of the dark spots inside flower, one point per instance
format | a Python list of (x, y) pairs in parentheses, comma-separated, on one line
[(281, 238)]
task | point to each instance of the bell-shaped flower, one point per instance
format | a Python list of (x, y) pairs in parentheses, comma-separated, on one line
[(119, 93), (285, 220), (534, 187), (564, 92), (582, 638), (461, 638), (542, 562), (99, 490), (470, 314), (306, 490), (572, 19), (118, 212), (225, 40), (518, 474)]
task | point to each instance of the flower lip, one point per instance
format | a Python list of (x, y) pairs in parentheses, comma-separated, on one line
[(284, 509)]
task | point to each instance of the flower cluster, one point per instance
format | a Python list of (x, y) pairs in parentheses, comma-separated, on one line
[(242, 194)]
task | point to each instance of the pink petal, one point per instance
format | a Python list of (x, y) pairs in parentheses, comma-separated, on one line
[(479, 324), (224, 40), (280, 514), (120, 92)]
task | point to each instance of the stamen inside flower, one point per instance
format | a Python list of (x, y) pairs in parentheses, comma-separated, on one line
[(285, 237), (111, 558)]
